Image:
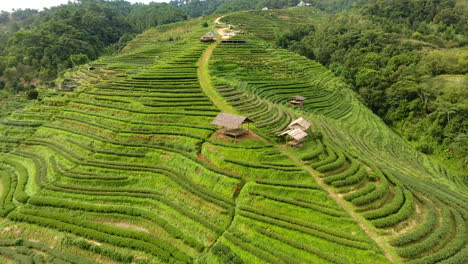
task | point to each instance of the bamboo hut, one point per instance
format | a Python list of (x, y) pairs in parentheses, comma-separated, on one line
[(231, 124)]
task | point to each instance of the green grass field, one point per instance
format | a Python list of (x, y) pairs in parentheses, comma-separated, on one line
[(128, 169)]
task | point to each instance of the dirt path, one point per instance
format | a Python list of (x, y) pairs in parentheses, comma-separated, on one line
[(221, 31), (205, 81), (342, 203), (218, 19)]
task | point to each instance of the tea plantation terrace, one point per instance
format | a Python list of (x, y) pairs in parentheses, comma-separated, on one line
[(129, 167)]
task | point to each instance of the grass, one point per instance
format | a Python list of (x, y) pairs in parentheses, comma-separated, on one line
[(129, 167)]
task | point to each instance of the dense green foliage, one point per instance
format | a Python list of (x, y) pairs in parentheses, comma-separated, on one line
[(38, 46), (408, 62), (126, 168)]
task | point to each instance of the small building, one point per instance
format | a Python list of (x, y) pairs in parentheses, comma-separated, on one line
[(297, 135), (300, 123), (91, 68), (231, 124), (297, 101), (297, 132), (68, 87), (265, 8), (209, 37)]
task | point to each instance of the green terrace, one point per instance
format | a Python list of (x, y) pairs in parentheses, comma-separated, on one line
[(127, 168)]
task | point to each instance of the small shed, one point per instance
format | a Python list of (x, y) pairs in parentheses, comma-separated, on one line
[(297, 100), (68, 87), (297, 135), (231, 124), (209, 37), (300, 123)]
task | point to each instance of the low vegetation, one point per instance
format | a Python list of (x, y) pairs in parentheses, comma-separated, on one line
[(126, 168)]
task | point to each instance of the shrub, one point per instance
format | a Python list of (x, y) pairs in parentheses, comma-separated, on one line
[(252, 250), (421, 231), (389, 208), (367, 189), (432, 240), (333, 165), (355, 178), (376, 194), (314, 206), (99, 250), (32, 94), (302, 246), (226, 254), (456, 244), (301, 226), (404, 213)]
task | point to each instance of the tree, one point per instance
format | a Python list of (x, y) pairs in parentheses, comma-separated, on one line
[(79, 59), (11, 73), (32, 94)]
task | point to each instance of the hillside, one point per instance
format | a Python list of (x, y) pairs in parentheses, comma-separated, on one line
[(128, 169)]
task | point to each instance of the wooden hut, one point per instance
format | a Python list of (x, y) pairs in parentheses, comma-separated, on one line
[(231, 124), (297, 101), (297, 135), (297, 132), (300, 123), (209, 37)]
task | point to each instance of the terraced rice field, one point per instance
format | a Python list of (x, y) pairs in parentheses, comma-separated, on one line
[(128, 169)]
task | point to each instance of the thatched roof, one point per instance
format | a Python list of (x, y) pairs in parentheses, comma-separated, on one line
[(229, 120), (298, 98), (299, 123), (211, 34), (296, 134)]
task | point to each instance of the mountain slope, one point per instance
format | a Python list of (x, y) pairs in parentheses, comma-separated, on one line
[(127, 168)]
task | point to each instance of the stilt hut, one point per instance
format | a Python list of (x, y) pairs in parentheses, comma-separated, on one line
[(231, 124), (297, 101)]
